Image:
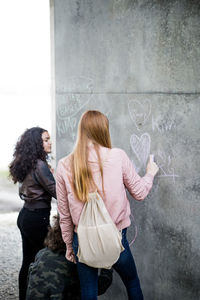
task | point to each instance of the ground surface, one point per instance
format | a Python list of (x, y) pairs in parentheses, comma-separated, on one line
[(10, 240)]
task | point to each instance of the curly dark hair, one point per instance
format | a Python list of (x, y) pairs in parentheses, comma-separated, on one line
[(54, 240), (28, 149)]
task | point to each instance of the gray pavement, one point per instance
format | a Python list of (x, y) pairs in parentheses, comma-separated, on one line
[(11, 256), (10, 240)]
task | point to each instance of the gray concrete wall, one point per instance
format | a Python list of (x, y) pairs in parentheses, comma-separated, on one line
[(138, 62)]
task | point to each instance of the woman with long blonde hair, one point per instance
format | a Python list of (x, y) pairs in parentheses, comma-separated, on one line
[(95, 165)]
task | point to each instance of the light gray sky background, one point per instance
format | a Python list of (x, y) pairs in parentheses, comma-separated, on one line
[(25, 71)]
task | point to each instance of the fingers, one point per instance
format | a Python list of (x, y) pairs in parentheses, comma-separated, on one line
[(152, 167), (71, 257)]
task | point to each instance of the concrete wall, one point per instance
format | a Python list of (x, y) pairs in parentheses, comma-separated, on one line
[(138, 62)]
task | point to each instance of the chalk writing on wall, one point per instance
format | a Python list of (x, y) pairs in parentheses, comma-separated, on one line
[(67, 111), (71, 104), (140, 112), (67, 126), (164, 162), (163, 125)]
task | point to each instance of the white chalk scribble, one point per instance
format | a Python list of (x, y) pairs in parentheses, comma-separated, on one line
[(165, 165), (71, 104), (163, 125)]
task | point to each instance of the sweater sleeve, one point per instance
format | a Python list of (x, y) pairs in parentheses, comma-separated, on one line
[(138, 187), (66, 223)]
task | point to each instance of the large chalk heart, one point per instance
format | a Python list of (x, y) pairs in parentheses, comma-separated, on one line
[(141, 147), (139, 111)]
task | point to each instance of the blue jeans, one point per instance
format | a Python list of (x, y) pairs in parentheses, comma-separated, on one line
[(125, 267)]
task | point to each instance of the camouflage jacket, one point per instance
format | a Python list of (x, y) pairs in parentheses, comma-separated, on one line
[(52, 277)]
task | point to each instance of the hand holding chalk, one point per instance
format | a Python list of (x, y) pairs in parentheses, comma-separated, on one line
[(152, 167)]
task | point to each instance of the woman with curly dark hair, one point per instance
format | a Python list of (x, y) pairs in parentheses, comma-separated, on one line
[(36, 187)]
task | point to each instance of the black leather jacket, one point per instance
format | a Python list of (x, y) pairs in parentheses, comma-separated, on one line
[(38, 187)]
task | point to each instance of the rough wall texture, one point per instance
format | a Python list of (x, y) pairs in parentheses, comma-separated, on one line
[(138, 62)]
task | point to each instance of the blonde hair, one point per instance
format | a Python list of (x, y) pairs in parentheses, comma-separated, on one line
[(93, 126)]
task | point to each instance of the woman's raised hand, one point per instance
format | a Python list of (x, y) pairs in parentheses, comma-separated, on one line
[(152, 167)]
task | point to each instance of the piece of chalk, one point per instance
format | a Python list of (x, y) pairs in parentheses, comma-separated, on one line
[(152, 157)]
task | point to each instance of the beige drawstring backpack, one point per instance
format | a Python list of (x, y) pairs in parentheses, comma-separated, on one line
[(98, 237)]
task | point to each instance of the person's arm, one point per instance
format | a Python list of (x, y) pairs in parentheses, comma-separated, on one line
[(138, 187), (66, 224), (45, 178)]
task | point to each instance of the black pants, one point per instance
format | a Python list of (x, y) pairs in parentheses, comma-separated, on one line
[(33, 226)]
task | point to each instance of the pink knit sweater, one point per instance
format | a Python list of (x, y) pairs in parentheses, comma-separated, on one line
[(119, 174)]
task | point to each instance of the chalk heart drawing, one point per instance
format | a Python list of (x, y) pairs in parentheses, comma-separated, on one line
[(141, 147), (139, 111)]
